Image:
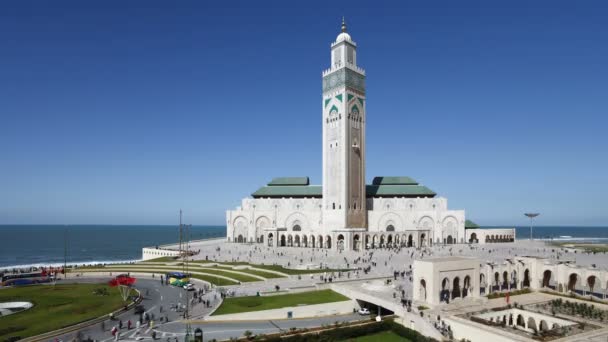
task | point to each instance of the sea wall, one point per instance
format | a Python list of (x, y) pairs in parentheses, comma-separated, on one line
[(148, 253)]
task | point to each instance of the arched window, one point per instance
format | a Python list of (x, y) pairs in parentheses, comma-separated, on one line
[(333, 206), (390, 228), (296, 228)]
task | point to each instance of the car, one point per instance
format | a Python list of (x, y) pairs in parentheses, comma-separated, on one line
[(189, 287), (364, 311)]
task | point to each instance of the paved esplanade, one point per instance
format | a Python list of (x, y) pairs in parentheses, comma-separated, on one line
[(379, 262)]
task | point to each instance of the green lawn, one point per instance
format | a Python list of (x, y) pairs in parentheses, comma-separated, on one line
[(385, 336), (55, 307), (258, 303), (208, 278)]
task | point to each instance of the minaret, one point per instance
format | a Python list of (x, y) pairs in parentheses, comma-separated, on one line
[(344, 200)]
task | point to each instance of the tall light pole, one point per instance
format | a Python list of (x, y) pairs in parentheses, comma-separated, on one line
[(531, 216)]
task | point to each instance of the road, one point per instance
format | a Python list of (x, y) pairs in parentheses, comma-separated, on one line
[(157, 295)]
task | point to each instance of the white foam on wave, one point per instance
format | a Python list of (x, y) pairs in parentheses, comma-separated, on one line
[(60, 264), (574, 239)]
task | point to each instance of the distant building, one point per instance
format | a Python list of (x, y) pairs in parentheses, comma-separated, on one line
[(344, 212)]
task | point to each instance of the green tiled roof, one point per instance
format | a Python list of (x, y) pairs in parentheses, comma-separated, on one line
[(470, 224), (289, 191), (394, 181), (299, 187), (399, 191), (289, 181)]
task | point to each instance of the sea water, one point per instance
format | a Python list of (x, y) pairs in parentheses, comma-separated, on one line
[(46, 244)]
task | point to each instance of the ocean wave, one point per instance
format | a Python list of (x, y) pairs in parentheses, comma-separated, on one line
[(572, 239), (59, 264)]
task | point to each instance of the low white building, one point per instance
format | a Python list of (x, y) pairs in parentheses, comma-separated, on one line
[(443, 280), (345, 212)]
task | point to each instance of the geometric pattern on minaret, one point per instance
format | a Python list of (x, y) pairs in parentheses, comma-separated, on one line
[(344, 117)]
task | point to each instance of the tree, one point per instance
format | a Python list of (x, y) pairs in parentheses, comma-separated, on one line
[(247, 334)]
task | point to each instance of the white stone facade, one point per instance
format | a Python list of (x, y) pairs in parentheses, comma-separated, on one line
[(441, 280), (408, 222)]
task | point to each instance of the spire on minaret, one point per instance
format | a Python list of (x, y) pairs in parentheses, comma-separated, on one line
[(343, 25)]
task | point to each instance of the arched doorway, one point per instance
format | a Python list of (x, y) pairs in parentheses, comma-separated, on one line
[(367, 244), (289, 240), (466, 286), (572, 280), (320, 241), (283, 243), (341, 242), (382, 242), (423, 289), (240, 239), (546, 278), (410, 241), (591, 283), (312, 241), (532, 324), (520, 321), (357, 242), (473, 238), (296, 241), (389, 241), (270, 240), (505, 280), (526, 278), (450, 240), (456, 288), (328, 242), (444, 295), (304, 241)]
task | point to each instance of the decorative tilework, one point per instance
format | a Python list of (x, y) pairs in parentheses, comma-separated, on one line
[(344, 77)]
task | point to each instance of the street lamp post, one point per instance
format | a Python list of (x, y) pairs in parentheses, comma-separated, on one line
[(531, 216)]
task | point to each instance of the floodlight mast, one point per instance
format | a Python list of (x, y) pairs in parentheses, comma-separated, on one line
[(531, 216)]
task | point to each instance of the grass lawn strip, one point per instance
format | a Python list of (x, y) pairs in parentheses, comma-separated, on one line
[(236, 275), (55, 307), (218, 280), (276, 268), (259, 303), (384, 336), (261, 273)]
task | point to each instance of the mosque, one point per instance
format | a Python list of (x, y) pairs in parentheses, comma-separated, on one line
[(345, 213)]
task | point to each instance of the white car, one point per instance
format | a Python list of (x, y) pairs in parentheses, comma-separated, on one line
[(189, 287), (364, 311)]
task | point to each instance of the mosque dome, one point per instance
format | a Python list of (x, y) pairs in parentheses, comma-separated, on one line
[(343, 35)]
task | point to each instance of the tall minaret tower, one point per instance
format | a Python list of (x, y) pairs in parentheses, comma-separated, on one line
[(344, 138)]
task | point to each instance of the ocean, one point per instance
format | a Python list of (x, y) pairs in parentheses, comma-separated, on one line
[(23, 245), (45, 244)]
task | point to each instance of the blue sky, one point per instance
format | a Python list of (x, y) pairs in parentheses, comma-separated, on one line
[(123, 112)]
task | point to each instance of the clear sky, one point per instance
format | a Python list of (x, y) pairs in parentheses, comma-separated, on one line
[(122, 112)]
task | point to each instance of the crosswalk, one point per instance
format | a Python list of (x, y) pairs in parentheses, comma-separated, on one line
[(136, 335)]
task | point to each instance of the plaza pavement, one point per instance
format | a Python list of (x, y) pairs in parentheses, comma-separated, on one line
[(380, 262)]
